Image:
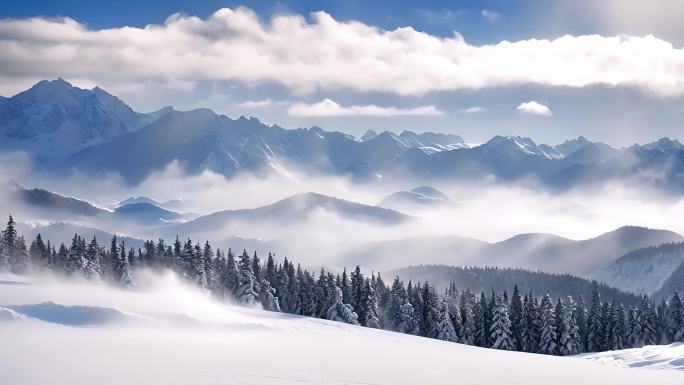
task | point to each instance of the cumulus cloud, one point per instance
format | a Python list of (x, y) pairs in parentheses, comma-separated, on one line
[(323, 53), (474, 109), (490, 15), (534, 108), (329, 107)]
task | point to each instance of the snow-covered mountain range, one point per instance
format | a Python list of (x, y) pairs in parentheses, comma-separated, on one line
[(89, 130)]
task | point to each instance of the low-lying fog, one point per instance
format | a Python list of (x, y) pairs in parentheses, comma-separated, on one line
[(486, 211)]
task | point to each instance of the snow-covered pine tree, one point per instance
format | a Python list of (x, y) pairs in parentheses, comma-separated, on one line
[(270, 273), (430, 316), (482, 322), (369, 306), (76, 259), (339, 311), (595, 326), (267, 296), (569, 342), (397, 297), (230, 277), (356, 291), (580, 315), (38, 254), (548, 338), (208, 263), (61, 259), (676, 318), (633, 332), (468, 318), (618, 327), (532, 327), (19, 260), (197, 269), (453, 298), (501, 327), (321, 295), (307, 295), (256, 266), (517, 320), (282, 286), (7, 245), (647, 322), (125, 269), (445, 328), (92, 268), (345, 286), (248, 289)]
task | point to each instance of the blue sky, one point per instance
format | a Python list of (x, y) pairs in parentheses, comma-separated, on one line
[(639, 101)]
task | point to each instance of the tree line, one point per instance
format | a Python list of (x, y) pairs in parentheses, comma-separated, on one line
[(519, 322)]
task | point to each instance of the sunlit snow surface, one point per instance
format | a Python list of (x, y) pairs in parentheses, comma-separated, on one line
[(649, 357), (163, 332)]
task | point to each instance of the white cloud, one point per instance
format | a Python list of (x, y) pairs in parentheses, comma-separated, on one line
[(329, 107), (255, 103), (305, 56), (474, 109), (490, 15), (534, 108)]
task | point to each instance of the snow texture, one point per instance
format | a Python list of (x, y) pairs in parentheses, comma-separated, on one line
[(186, 337)]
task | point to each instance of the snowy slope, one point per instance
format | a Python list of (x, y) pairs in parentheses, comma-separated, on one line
[(649, 357), (177, 335)]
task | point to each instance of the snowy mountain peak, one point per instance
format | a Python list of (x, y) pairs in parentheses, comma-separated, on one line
[(370, 134), (54, 118), (665, 144)]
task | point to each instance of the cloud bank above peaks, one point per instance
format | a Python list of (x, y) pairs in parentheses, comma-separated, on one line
[(322, 53), (328, 107)]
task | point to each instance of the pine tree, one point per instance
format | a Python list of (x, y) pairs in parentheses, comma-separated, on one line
[(452, 297), (531, 329), (267, 296), (8, 245), (19, 260), (517, 321), (469, 327), (647, 322), (369, 306), (501, 327), (580, 315), (76, 259), (445, 328), (356, 292), (270, 269), (548, 338), (595, 327), (569, 342), (256, 267), (483, 322), (618, 327), (230, 277), (38, 253), (676, 318), (633, 333), (208, 264), (430, 314), (248, 288), (61, 259), (345, 286), (125, 269), (339, 311), (92, 268)]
